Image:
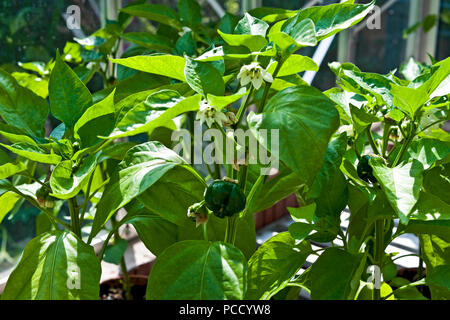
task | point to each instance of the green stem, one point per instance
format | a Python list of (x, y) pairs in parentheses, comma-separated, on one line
[(405, 145), (74, 217), (205, 232), (243, 106), (126, 284), (371, 141), (268, 85), (86, 201), (379, 251), (386, 134)]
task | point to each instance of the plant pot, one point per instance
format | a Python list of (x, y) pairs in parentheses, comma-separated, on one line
[(112, 289), (275, 212)]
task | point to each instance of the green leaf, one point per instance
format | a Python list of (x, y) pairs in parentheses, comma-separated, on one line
[(114, 253), (335, 275), (190, 12), (437, 182), (69, 97), (97, 120), (293, 65), (164, 65), (332, 162), (301, 31), (32, 152), (66, 183), (223, 101), (334, 18), (36, 84), (271, 15), (401, 185), (155, 12), (278, 187), (253, 42), (8, 201), (274, 264), (158, 110), (409, 100), (9, 167), (439, 278), (440, 228), (149, 41), (364, 83), (142, 166), (198, 270), (20, 107), (427, 151), (55, 266), (295, 114), (203, 78), (251, 25), (172, 194), (303, 213), (431, 207)]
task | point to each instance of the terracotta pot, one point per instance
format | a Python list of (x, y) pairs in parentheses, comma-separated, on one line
[(275, 212)]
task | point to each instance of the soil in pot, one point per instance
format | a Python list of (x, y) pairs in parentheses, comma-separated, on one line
[(113, 290)]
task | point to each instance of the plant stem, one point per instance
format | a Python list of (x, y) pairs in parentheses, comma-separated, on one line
[(205, 232), (379, 251), (386, 133), (405, 145), (371, 141), (126, 283), (74, 218), (86, 201), (268, 85), (243, 106)]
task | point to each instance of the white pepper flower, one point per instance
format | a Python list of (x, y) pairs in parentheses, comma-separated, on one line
[(210, 114), (255, 74)]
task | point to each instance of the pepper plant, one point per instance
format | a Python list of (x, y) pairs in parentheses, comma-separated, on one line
[(198, 218)]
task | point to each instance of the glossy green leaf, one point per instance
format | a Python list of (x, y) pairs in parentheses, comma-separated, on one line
[(251, 25), (142, 166), (69, 97), (150, 41), (66, 182), (164, 65), (295, 113), (294, 64), (198, 270), (333, 18), (36, 84), (437, 182), (172, 194), (155, 12), (55, 266), (274, 264), (32, 152), (9, 167), (158, 110), (301, 31), (401, 185), (253, 42), (190, 12), (427, 151), (271, 15), (335, 275), (114, 253), (203, 78), (440, 228), (97, 120), (20, 107)]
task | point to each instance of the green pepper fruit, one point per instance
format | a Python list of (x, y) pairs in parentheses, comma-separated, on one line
[(365, 171), (43, 197), (224, 198)]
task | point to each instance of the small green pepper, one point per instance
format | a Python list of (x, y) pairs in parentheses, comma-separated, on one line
[(224, 198), (364, 170)]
